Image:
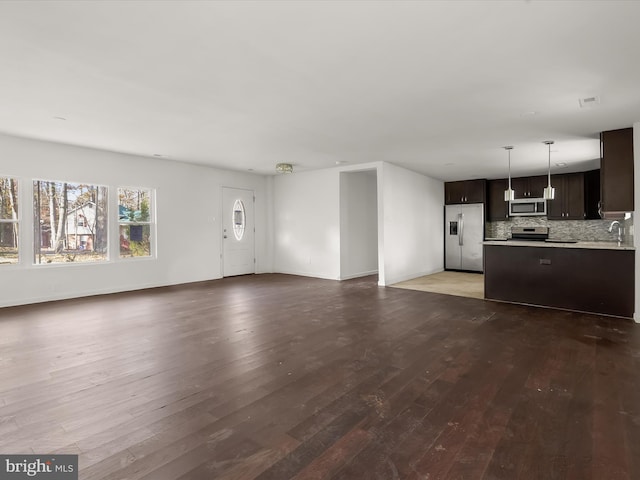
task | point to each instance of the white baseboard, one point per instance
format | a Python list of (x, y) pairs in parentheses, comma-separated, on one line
[(358, 275), (408, 276), (307, 274)]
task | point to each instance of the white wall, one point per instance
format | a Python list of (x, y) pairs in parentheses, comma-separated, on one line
[(410, 223), (307, 223), (358, 224), (412, 217), (188, 199), (297, 222)]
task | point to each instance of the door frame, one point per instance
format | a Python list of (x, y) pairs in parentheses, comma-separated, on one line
[(221, 230)]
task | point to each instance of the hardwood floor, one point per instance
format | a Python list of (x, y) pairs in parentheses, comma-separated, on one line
[(277, 377)]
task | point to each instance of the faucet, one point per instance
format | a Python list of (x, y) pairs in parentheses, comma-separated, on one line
[(616, 223)]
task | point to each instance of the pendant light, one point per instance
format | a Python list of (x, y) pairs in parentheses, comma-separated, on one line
[(509, 194), (549, 191)]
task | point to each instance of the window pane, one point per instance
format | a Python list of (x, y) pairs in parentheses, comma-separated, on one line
[(135, 216), (134, 205), (8, 199), (8, 220), (70, 222), (8, 243), (135, 240)]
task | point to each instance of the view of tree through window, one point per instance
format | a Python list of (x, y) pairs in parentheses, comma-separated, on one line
[(135, 219), (8, 220), (70, 222)]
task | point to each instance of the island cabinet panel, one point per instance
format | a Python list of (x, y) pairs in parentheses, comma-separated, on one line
[(582, 279)]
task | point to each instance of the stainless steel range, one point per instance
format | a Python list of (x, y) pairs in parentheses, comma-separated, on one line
[(530, 233)]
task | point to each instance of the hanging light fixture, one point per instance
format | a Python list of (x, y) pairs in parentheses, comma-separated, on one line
[(509, 194), (549, 191), (284, 168)]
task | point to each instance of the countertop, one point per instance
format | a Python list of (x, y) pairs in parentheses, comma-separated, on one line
[(556, 244)]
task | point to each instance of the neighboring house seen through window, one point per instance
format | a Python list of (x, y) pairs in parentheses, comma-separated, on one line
[(135, 217), (71, 222), (9, 222)]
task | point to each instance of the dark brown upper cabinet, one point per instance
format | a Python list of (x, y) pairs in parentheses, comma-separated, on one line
[(497, 208), (529, 187), (592, 194), (616, 170), (569, 202), (465, 191)]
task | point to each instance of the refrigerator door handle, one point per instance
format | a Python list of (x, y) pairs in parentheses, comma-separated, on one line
[(460, 229)]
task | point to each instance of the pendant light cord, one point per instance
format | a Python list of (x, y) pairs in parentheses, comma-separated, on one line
[(508, 193), (549, 143), (509, 152), (549, 182)]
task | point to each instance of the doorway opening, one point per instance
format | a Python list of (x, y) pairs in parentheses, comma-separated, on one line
[(358, 224)]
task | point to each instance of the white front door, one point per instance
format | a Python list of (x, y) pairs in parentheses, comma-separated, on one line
[(238, 257)]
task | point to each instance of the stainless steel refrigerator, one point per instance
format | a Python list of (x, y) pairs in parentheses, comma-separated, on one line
[(464, 234)]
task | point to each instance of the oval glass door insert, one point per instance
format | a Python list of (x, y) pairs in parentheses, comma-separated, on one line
[(239, 219)]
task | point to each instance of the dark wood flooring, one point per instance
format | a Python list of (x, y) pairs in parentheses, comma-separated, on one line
[(277, 377)]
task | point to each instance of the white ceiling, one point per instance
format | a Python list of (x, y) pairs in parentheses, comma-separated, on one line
[(437, 87)]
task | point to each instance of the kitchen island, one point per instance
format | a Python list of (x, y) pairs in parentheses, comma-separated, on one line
[(594, 277)]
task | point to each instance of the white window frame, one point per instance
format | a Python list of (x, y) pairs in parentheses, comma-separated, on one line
[(37, 242), (17, 220), (151, 223)]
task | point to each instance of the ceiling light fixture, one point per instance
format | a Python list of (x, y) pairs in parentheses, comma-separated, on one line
[(549, 191), (509, 194), (284, 168)]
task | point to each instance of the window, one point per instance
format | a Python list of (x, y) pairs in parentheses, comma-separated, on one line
[(70, 222), (8, 220), (135, 217)]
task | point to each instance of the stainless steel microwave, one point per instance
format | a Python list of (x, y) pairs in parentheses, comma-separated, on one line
[(524, 207)]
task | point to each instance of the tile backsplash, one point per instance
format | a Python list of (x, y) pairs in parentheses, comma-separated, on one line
[(583, 230)]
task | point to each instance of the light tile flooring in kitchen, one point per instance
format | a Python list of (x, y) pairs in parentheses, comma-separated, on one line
[(461, 284)]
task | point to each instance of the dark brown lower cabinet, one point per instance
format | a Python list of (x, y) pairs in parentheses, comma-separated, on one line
[(583, 279)]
